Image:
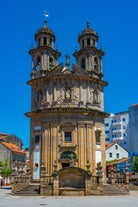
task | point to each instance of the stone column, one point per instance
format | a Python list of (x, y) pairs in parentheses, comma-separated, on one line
[(81, 146), (89, 140), (48, 150), (80, 92), (53, 145), (93, 151)]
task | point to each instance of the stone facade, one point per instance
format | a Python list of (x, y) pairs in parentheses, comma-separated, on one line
[(11, 153), (12, 138), (67, 110)]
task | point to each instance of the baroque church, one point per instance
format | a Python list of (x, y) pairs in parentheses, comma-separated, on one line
[(67, 140)]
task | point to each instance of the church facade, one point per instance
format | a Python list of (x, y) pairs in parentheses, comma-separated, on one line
[(67, 138)]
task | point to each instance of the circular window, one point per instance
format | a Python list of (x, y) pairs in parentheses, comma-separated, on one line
[(36, 165)]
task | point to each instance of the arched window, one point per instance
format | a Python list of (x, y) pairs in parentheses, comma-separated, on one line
[(83, 63), (96, 63), (45, 41), (88, 42), (98, 137), (50, 62), (38, 63)]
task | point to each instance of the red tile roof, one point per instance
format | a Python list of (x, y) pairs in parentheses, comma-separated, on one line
[(2, 135), (13, 148), (109, 145)]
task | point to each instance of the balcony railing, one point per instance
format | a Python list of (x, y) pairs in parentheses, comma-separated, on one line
[(118, 123), (117, 131)]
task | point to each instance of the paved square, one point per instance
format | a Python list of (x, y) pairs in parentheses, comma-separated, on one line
[(8, 200)]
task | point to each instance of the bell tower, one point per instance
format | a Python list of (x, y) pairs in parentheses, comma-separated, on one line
[(44, 56), (89, 58)]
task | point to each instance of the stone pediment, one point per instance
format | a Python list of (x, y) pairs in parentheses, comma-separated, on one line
[(64, 70), (56, 71), (60, 70), (78, 70)]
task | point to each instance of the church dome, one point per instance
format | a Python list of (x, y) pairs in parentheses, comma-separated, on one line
[(44, 31), (88, 32)]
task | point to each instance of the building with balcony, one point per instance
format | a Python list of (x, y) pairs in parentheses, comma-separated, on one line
[(117, 129)]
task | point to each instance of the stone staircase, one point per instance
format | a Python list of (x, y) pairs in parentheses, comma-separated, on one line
[(133, 186), (112, 190), (32, 189)]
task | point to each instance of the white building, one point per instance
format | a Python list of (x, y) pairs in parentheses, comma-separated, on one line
[(117, 129), (115, 151)]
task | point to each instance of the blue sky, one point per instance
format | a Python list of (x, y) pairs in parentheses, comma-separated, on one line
[(116, 22)]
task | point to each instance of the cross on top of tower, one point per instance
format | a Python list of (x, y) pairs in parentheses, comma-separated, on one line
[(45, 16)]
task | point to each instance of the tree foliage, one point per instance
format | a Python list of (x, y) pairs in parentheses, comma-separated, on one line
[(135, 164), (5, 168)]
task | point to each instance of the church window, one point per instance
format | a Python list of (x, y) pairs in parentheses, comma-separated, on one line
[(117, 155), (95, 63), (83, 63), (88, 42), (50, 62), (67, 136), (37, 139), (98, 137), (45, 41), (38, 63)]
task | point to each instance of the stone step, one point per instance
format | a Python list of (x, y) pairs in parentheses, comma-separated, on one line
[(133, 186), (32, 189), (113, 190)]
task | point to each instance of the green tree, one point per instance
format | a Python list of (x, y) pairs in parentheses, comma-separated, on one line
[(1, 164), (135, 164), (5, 168)]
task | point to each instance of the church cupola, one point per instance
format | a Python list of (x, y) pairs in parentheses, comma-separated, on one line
[(88, 37), (45, 36), (89, 57), (44, 56)]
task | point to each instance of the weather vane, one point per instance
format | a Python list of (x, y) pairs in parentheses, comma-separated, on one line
[(45, 15)]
